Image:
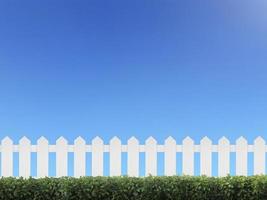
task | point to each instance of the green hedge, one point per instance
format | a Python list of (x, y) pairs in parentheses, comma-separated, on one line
[(122, 188)]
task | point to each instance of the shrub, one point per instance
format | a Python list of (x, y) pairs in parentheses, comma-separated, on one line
[(129, 188)]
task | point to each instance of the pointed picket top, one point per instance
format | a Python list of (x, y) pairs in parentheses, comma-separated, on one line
[(170, 140), (205, 140), (7, 140), (259, 140), (42, 140), (241, 140), (79, 140), (133, 140), (24, 140), (97, 140), (61, 140), (115, 140), (151, 140), (224, 140), (188, 140)]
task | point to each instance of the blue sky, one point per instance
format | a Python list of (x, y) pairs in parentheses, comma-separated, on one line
[(160, 68)]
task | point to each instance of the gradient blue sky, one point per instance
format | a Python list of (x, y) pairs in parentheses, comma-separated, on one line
[(145, 67)]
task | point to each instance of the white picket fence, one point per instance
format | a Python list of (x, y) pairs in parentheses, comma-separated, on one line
[(133, 149)]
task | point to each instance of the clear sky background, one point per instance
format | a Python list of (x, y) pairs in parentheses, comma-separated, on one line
[(145, 67)]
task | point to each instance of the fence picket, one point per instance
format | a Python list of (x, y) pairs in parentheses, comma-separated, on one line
[(188, 156), (223, 157), (205, 156), (24, 157), (133, 157), (97, 156), (151, 157), (241, 156), (7, 157), (170, 157), (79, 157), (42, 157), (259, 156), (115, 157), (61, 157)]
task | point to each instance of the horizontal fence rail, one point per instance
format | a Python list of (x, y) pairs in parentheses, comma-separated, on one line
[(97, 148)]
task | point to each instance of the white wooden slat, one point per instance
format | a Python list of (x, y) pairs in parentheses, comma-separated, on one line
[(188, 156), (205, 156), (241, 156), (133, 157), (151, 157), (79, 157), (61, 157), (97, 156), (259, 156), (170, 157), (24, 157), (7, 157), (42, 157), (115, 157), (223, 157)]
